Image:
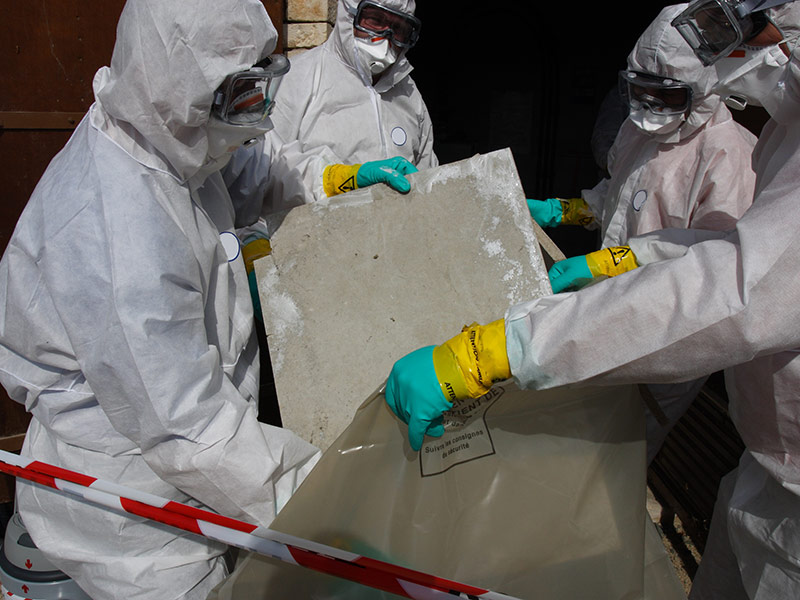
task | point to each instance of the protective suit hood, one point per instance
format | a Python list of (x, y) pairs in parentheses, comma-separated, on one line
[(661, 51), (786, 17), (168, 60), (343, 41)]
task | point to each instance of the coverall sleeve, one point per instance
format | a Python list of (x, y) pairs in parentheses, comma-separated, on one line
[(728, 181), (427, 157), (296, 173), (246, 178), (296, 170), (595, 198), (721, 302), (664, 244)]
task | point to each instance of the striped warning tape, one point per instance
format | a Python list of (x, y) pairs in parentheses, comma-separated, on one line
[(377, 574)]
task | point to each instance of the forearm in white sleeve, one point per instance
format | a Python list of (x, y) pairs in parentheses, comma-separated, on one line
[(595, 199), (669, 243), (722, 302), (296, 174)]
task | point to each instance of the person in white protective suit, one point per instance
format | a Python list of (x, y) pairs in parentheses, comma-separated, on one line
[(127, 327), (350, 115), (349, 109), (679, 161), (698, 301), (351, 100)]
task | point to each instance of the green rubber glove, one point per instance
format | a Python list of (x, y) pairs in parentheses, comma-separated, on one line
[(577, 271), (415, 396), (254, 247), (337, 179), (390, 171), (560, 211), (570, 274), (422, 384), (547, 213)]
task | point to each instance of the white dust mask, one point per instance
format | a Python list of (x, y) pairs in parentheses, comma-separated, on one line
[(656, 124), (375, 57)]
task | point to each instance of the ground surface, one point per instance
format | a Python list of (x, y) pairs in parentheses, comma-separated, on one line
[(679, 547)]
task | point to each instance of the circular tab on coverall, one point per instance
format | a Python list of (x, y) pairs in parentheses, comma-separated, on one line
[(399, 136), (639, 199), (231, 244)]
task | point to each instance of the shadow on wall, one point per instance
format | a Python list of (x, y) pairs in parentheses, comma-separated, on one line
[(526, 77)]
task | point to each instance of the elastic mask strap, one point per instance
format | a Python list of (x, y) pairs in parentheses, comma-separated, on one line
[(750, 6), (791, 43)]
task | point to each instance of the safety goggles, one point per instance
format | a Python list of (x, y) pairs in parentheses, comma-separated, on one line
[(715, 28), (377, 20), (248, 97), (662, 95)]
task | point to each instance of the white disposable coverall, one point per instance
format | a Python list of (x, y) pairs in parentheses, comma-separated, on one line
[(698, 177), (127, 328), (328, 111), (708, 301)]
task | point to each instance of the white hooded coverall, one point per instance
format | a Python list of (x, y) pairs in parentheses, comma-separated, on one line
[(697, 177), (329, 111), (701, 302), (127, 328)]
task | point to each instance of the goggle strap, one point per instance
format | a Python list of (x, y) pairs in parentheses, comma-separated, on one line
[(746, 7), (264, 62), (219, 98)]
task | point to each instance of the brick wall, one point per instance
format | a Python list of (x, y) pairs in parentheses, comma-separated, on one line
[(308, 23)]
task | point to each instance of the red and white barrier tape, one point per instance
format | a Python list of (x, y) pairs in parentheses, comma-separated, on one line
[(377, 574)]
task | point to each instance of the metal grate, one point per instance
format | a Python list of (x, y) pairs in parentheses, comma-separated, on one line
[(702, 447)]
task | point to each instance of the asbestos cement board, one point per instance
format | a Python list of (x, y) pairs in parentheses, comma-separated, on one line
[(357, 281)]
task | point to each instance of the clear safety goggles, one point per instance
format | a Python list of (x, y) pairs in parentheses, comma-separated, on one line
[(662, 95), (248, 97), (377, 20), (715, 28)]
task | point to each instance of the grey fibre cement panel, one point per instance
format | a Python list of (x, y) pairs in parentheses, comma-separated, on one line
[(357, 281)]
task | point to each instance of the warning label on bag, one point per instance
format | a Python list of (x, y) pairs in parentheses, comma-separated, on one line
[(466, 435)]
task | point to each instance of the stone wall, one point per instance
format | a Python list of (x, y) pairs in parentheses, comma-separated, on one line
[(308, 23)]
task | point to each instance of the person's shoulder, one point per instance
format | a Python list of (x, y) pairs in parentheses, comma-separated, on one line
[(729, 135), (122, 186), (748, 136), (306, 68), (304, 60), (306, 55), (98, 187)]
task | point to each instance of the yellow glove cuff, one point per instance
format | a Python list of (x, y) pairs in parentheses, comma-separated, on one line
[(575, 211), (468, 364), (253, 251), (338, 179), (611, 261)]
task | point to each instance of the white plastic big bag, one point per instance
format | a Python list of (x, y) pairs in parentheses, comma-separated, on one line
[(532, 494)]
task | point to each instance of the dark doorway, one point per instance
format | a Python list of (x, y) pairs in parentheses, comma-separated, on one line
[(526, 76)]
